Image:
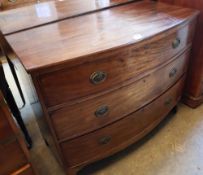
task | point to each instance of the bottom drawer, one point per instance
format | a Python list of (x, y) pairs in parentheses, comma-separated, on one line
[(122, 133)]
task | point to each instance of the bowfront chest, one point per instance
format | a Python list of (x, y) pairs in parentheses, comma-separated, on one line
[(106, 79)]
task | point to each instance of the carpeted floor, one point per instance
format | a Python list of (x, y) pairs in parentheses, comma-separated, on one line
[(175, 147)]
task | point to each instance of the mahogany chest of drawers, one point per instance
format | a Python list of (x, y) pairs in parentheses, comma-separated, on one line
[(106, 79), (13, 152)]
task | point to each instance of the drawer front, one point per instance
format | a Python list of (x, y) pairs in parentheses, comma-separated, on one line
[(99, 111), (117, 136), (11, 157), (111, 70)]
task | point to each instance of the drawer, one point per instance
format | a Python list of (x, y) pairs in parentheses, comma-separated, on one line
[(119, 135), (12, 157), (100, 111), (111, 69)]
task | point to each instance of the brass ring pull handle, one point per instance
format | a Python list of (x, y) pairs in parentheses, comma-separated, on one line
[(176, 43), (172, 72), (104, 140), (98, 77), (102, 111), (168, 102)]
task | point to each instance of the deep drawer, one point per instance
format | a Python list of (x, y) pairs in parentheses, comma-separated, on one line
[(117, 136), (111, 69), (78, 119)]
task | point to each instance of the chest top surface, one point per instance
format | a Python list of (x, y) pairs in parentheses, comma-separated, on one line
[(72, 39), (42, 13)]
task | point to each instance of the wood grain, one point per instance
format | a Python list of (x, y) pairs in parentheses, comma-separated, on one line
[(8, 4), (71, 40), (118, 65), (120, 102), (46, 12), (136, 44), (89, 147)]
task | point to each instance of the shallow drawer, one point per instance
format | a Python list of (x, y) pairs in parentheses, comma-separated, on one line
[(11, 157), (112, 69), (72, 121), (117, 136)]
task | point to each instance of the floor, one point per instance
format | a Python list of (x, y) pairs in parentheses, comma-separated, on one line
[(175, 147)]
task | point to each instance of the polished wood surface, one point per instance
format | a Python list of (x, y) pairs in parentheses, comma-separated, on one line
[(55, 44), (120, 102), (47, 12), (118, 65), (113, 66), (10, 4), (121, 133), (194, 87)]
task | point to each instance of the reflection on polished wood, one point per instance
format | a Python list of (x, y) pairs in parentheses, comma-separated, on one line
[(46, 12), (67, 128), (106, 79), (56, 43)]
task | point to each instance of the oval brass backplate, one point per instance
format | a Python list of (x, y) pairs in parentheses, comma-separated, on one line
[(168, 102), (104, 140), (98, 77), (173, 72), (102, 111), (176, 43)]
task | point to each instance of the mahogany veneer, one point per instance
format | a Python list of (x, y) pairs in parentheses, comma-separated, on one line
[(119, 135), (47, 12), (129, 96), (193, 94), (99, 73)]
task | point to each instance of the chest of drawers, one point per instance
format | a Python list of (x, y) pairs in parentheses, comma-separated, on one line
[(107, 78)]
